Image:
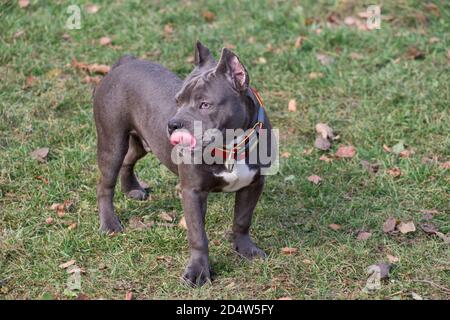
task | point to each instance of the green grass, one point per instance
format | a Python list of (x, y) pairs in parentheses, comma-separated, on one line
[(380, 99)]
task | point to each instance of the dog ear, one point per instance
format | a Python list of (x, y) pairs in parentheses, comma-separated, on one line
[(202, 54), (230, 65)]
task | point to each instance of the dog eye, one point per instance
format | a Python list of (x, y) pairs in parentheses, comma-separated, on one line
[(205, 105)]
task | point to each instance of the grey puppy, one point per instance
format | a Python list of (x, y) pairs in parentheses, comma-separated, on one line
[(138, 108)]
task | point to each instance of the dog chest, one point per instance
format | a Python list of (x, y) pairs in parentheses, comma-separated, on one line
[(240, 177)]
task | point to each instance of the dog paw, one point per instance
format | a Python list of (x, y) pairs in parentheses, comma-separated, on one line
[(138, 194), (196, 274), (111, 226), (246, 248)]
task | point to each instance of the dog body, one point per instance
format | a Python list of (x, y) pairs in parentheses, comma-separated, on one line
[(140, 107)]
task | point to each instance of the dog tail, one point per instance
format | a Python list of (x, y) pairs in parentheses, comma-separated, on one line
[(122, 60)]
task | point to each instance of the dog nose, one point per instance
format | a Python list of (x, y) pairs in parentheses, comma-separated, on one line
[(174, 125)]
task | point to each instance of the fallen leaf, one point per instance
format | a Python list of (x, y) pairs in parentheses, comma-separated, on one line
[(325, 158), (82, 296), (67, 264), (389, 225), (104, 41), (299, 42), (431, 7), (167, 216), (386, 148), (392, 259), (182, 224), (324, 131), (136, 223), (262, 60), (406, 227), (428, 227), (190, 59), (98, 68), (406, 153), (363, 235), (49, 220), (129, 295), (306, 261), (315, 179), (91, 8), (356, 56), (324, 59), (345, 152), (285, 298), (75, 269), (285, 154), (289, 250), (395, 172), (322, 144), (72, 226), (381, 268), (335, 226), (208, 16), (29, 82), (24, 3), (415, 296), (414, 53), (315, 75), (18, 34), (94, 80), (40, 154), (445, 165), (66, 37), (292, 105), (43, 179), (434, 40), (350, 21), (308, 151)]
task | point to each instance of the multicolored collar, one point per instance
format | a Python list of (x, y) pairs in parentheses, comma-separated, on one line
[(250, 140)]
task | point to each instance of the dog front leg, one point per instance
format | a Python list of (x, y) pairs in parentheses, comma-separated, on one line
[(197, 271), (245, 203)]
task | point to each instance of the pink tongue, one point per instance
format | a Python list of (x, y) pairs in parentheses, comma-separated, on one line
[(183, 138)]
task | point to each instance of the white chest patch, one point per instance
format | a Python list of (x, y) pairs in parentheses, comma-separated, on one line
[(240, 177)]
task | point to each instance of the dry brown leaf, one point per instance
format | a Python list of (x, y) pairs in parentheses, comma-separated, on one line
[(285, 298), (98, 68), (345, 152), (40, 154), (307, 152), (262, 60), (363, 235), (306, 261), (315, 75), (167, 216), (356, 56), (29, 82), (371, 167), (406, 227), (18, 34), (182, 224), (387, 149), (24, 3), (95, 80), (431, 7), (299, 42), (414, 53), (315, 179), (104, 41), (292, 105), (428, 227), (67, 264), (128, 295), (335, 226), (324, 59), (322, 144), (92, 8), (406, 153), (445, 165), (392, 259), (289, 250), (394, 172), (72, 226), (434, 40), (389, 225), (208, 15), (136, 223), (75, 269), (325, 158), (324, 131), (43, 179), (285, 154), (49, 220)]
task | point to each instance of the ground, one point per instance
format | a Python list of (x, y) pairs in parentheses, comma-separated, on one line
[(374, 91)]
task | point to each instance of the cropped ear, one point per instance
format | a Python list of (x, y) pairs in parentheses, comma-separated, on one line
[(202, 54), (230, 65)]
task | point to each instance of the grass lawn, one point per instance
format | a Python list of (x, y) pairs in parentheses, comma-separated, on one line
[(372, 93)]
